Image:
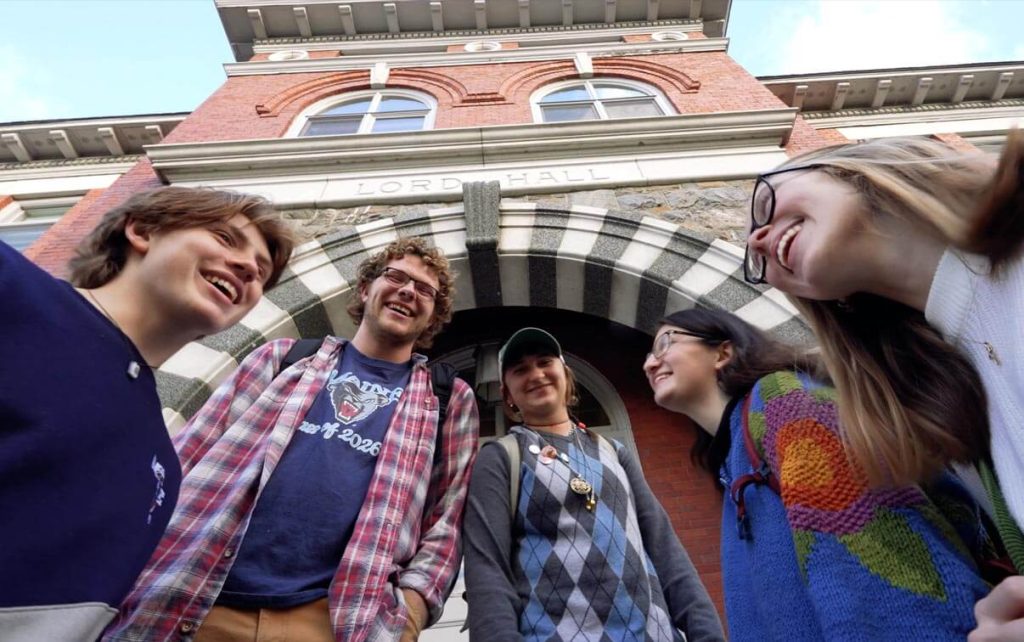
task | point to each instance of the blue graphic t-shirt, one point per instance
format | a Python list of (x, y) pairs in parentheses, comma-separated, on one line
[(306, 514)]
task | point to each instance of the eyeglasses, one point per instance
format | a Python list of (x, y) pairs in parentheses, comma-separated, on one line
[(664, 342), (399, 278), (762, 210)]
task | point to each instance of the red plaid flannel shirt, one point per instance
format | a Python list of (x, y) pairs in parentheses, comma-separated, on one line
[(406, 535)]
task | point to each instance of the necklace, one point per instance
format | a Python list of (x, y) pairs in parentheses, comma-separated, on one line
[(133, 366), (578, 484)]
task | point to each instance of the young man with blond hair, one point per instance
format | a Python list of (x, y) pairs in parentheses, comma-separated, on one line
[(88, 475), (319, 501)]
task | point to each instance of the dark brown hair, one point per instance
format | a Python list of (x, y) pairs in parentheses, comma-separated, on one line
[(103, 253), (754, 355), (432, 257)]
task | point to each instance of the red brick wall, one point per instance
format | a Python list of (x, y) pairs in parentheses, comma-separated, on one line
[(248, 107)]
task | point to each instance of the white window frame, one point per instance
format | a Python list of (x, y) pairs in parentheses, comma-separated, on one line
[(538, 114), (366, 126), (15, 215)]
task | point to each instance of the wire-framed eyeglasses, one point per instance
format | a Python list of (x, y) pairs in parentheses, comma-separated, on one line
[(664, 342), (762, 211), (399, 278)]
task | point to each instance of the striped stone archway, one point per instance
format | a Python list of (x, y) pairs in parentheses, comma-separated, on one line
[(615, 265)]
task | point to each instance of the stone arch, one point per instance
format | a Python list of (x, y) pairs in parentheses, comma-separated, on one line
[(613, 265)]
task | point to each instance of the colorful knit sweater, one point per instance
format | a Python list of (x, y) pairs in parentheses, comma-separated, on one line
[(831, 559)]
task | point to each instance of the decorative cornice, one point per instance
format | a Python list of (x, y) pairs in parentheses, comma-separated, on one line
[(686, 25), (64, 163), (471, 147), (445, 59), (908, 113)]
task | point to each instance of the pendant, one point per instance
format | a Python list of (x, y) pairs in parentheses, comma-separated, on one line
[(580, 486), (591, 502), (134, 369)]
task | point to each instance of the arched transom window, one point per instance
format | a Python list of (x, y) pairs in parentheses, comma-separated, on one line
[(598, 100), (368, 113)]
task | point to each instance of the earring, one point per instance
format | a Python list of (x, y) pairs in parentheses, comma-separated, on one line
[(844, 305)]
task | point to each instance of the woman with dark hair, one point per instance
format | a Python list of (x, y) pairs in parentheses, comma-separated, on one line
[(562, 536), (809, 550)]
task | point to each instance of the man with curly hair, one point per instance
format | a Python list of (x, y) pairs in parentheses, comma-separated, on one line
[(314, 505)]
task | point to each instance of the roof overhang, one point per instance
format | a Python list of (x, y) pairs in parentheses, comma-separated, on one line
[(82, 139), (251, 22), (828, 94)]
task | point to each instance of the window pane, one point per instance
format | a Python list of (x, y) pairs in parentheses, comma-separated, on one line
[(632, 108), (569, 112), (403, 124), (332, 127), (395, 103), (577, 92), (615, 91), (589, 411), (21, 235), (53, 211), (354, 107)]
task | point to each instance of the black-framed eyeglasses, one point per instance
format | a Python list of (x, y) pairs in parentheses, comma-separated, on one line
[(762, 210), (399, 278), (664, 342)]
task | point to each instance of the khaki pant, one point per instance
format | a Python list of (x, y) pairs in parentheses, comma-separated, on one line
[(306, 623)]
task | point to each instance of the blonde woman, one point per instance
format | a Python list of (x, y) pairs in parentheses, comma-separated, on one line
[(906, 258)]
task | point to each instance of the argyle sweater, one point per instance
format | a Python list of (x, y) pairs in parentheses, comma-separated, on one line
[(831, 559), (556, 571)]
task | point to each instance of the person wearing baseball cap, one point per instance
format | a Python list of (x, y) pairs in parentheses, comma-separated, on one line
[(550, 531)]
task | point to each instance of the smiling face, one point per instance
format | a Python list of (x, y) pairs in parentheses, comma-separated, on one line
[(204, 278), (816, 244), (398, 314), (537, 386), (684, 373)]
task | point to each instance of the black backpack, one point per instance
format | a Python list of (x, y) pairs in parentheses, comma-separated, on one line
[(442, 376)]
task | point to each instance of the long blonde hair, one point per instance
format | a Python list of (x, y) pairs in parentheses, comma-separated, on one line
[(909, 402)]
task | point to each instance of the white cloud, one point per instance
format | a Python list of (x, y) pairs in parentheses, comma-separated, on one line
[(26, 96), (837, 35)]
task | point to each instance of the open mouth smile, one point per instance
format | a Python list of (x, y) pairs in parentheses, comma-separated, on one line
[(224, 286), (399, 309), (782, 246)]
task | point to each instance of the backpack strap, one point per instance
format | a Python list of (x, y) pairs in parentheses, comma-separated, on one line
[(511, 445), (300, 350), (762, 474), (442, 378)]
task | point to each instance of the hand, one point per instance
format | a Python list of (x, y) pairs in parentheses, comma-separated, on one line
[(418, 614), (1001, 614)]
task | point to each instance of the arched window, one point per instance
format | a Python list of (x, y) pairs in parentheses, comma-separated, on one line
[(368, 112), (597, 100)]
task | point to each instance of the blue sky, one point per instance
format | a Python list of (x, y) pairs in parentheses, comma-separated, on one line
[(84, 58)]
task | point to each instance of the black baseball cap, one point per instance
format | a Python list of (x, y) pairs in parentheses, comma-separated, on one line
[(527, 341)]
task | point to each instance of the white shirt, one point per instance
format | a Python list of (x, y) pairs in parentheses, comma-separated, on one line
[(975, 311)]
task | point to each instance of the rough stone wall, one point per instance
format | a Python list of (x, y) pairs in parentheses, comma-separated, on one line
[(717, 208), (314, 222)]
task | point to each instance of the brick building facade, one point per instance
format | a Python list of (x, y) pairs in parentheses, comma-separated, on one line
[(585, 165)]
